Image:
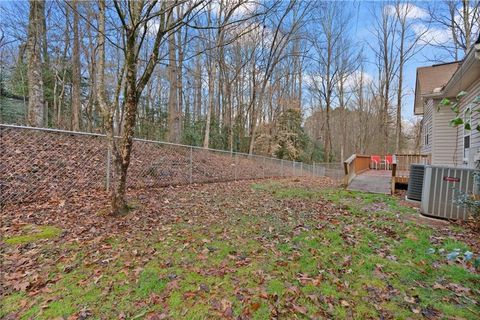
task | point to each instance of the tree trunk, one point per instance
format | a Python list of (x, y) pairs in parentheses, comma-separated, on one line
[(119, 204), (76, 75), (211, 86), (134, 86), (198, 87), (61, 79), (341, 99), (36, 102), (253, 102), (398, 135), (90, 57), (179, 82), (173, 112), (467, 27), (328, 135), (211, 101)]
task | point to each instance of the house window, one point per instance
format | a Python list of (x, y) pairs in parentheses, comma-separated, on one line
[(466, 142), (426, 137), (466, 137), (466, 147)]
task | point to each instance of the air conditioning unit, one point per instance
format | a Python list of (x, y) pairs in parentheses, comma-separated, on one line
[(441, 186), (415, 182)]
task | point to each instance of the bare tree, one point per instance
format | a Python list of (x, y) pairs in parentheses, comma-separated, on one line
[(461, 18), (386, 60), (347, 63), (328, 50), (134, 18), (272, 54), (409, 43)]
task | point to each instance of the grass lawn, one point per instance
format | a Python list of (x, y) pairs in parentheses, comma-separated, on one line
[(248, 250)]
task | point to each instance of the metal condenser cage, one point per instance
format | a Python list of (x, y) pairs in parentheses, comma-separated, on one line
[(441, 186)]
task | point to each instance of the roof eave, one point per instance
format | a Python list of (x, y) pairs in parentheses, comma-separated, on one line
[(472, 57)]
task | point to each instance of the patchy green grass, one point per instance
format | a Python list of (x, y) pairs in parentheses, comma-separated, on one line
[(292, 251), (32, 233)]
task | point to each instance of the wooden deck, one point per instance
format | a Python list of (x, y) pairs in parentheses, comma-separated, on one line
[(374, 181), (360, 176)]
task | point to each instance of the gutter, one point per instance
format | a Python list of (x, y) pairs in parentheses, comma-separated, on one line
[(472, 57), (433, 95), (465, 66)]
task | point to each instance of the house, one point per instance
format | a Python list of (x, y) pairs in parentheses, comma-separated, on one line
[(447, 145)]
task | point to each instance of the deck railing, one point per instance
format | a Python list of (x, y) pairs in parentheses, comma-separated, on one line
[(402, 162), (356, 164), (400, 166)]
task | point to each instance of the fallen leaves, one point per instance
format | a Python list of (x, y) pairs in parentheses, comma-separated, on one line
[(222, 253), (344, 303)]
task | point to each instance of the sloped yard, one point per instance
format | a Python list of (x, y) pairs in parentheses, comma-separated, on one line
[(282, 249)]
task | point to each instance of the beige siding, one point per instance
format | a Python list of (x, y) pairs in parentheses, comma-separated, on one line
[(427, 128), (473, 91), (444, 149)]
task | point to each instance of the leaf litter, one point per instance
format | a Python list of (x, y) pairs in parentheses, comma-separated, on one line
[(285, 248)]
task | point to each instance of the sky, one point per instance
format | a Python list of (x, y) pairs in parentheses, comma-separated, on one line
[(364, 22)]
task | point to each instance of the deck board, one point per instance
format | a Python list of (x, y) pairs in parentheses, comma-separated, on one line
[(374, 181)]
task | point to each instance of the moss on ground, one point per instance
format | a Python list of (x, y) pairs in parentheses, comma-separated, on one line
[(365, 264), (32, 233)]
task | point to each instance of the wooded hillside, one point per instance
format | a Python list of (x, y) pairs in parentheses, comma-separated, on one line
[(227, 73), (286, 79)]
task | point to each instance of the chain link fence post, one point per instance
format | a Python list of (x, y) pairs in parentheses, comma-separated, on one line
[(191, 166), (301, 169), (235, 167), (109, 157), (313, 170), (263, 167), (282, 173)]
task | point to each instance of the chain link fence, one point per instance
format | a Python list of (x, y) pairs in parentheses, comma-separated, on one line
[(43, 164)]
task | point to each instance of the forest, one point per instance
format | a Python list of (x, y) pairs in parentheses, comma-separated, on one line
[(239, 159), (279, 78), (286, 79)]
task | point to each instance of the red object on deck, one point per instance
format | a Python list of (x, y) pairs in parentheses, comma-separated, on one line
[(389, 159), (375, 160)]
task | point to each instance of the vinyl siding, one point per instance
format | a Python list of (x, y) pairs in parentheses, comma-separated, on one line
[(473, 91), (444, 149), (427, 128)]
